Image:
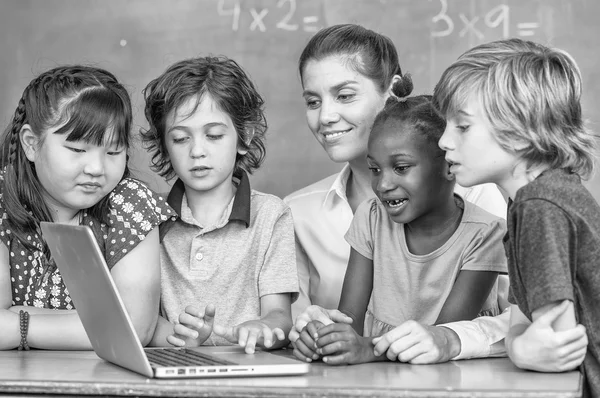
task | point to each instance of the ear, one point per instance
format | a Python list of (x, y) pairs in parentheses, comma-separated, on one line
[(29, 142), (248, 139)]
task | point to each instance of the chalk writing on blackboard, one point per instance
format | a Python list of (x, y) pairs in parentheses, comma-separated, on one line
[(497, 17), (260, 22)]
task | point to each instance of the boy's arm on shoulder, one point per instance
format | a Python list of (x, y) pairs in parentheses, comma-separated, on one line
[(137, 277), (468, 294), (276, 312)]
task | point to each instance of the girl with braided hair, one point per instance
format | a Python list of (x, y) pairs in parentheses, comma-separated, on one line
[(64, 159)]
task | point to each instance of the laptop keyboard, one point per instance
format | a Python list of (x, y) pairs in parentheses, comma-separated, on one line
[(183, 357)]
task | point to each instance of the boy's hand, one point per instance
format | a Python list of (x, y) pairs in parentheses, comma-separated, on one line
[(541, 348), (249, 334), (418, 344), (305, 347), (339, 344), (194, 327)]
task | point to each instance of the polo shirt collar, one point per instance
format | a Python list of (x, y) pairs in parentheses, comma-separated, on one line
[(338, 187), (241, 203)]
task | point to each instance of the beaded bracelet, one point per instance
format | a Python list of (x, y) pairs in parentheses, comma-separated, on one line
[(24, 323)]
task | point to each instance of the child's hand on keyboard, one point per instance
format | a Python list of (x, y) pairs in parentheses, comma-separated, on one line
[(194, 327), (251, 333)]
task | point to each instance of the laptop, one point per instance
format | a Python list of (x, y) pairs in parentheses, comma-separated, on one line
[(113, 337)]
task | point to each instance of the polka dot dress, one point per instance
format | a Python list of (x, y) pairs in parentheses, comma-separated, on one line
[(134, 211)]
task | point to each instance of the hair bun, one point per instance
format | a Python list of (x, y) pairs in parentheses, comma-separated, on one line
[(403, 87)]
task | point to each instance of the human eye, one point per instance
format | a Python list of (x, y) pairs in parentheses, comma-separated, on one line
[(401, 169), (312, 103), (115, 152), (374, 170), (463, 128), (346, 96), (179, 139), (74, 149), (214, 137)]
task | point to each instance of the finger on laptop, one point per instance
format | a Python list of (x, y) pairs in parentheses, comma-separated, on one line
[(242, 336), (268, 337), (250, 340)]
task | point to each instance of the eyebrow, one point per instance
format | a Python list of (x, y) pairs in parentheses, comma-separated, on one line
[(337, 87), (465, 113), (395, 155), (207, 126)]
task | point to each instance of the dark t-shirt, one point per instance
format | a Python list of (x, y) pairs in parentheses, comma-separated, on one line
[(553, 250)]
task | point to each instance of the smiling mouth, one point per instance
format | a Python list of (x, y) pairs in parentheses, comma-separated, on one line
[(334, 134), (394, 203)]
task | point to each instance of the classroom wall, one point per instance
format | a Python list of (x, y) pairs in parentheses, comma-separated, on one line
[(138, 39)]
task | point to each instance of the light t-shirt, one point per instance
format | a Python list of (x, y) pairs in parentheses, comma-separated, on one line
[(322, 216), (408, 286)]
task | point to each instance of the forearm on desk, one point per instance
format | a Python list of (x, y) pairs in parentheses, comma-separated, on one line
[(10, 335), (482, 337), (57, 331)]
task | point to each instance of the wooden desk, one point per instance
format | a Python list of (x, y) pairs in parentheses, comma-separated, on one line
[(30, 373)]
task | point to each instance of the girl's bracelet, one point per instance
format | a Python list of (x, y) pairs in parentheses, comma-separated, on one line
[(24, 324)]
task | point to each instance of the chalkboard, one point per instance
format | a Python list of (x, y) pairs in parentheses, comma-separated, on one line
[(138, 39)]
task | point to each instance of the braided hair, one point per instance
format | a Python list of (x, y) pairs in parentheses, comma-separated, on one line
[(83, 102)]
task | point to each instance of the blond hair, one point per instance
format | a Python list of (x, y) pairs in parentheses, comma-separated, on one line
[(530, 94)]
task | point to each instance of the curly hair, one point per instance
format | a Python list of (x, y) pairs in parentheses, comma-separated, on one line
[(228, 85), (417, 112)]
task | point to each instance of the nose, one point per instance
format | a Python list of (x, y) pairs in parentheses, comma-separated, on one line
[(198, 148), (329, 112), (94, 163), (385, 182), (445, 141)]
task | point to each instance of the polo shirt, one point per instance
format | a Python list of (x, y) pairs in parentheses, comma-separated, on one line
[(247, 254)]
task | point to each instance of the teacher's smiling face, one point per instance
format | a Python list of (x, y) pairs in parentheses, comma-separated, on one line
[(341, 105)]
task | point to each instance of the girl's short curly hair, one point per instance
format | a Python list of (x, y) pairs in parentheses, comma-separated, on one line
[(228, 85)]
